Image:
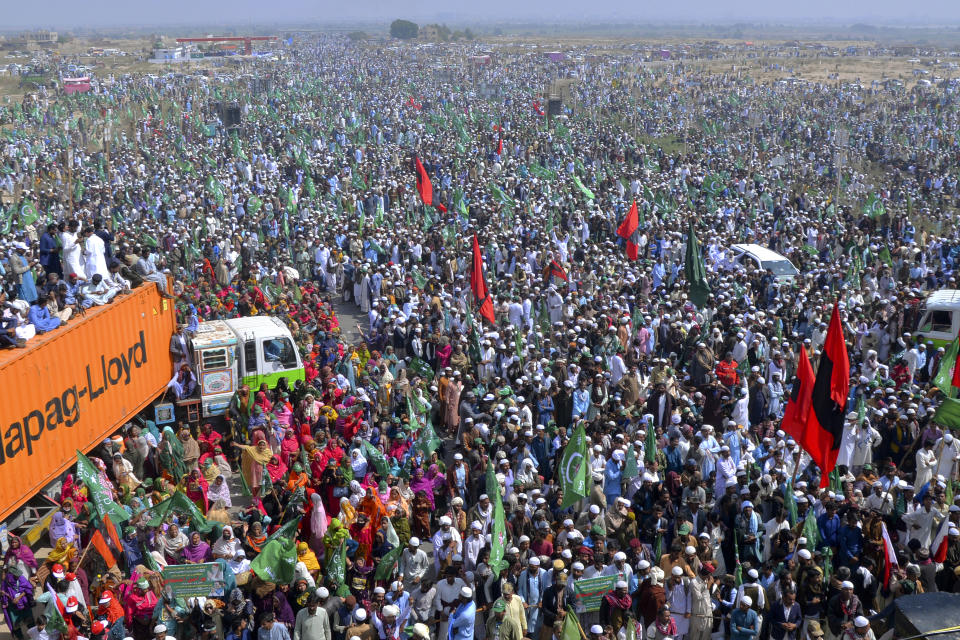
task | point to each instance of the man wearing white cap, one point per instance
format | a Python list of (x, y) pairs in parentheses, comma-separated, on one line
[(473, 545), (754, 591), (862, 630), (386, 623), (677, 591), (446, 543), (413, 563), (842, 609), (726, 471), (531, 586), (947, 450), (463, 617), (160, 633)]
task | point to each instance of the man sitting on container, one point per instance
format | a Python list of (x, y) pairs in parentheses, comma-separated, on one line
[(183, 382), (41, 319), (97, 292)]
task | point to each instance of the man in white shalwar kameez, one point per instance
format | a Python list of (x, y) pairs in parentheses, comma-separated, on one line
[(73, 251), (922, 522), (947, 450), (926, 463), (95, 254)]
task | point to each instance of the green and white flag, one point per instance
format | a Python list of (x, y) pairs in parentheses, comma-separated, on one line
[(276, 562), (100, 497), (498, 536), (390, 559), (586, 192), (573, 468), (337, 569)]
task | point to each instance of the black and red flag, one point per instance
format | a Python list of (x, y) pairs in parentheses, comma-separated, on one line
[(554, 270), (627, 228), (479, 286), (424, 188), (815, 412)]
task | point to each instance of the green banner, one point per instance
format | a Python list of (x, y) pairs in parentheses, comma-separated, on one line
[(192, 580), (588, 592)]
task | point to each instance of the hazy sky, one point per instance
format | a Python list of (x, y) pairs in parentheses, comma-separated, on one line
[(66, 13)]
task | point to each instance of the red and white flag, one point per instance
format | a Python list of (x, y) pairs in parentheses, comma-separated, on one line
[(890, 557), (938, 550)]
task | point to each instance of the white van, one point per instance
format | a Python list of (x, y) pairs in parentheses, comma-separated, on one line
[(940, 321), (762, 258)]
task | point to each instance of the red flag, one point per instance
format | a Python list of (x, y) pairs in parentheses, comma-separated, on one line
[(112, 532), (627, 229), (424, 188), (440, 206), (100, 544), (500, 147), (956, 374), (798, 406), (813, 415), (835, 348), (536, 107), (554, 269), (478, 285), (414, 104)]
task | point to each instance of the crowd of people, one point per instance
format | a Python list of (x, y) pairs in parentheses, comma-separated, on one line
[(419, 471)]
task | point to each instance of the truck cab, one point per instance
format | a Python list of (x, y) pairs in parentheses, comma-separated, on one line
[(251, 351), (940, 321), (267, 351)]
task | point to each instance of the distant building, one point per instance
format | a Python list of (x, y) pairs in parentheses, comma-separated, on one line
[(38, 38), (429, 32), (167, 55)]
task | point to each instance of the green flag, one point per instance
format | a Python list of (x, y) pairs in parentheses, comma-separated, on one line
[(573, 468), (418, 280), (738, 573), (694, 270), (810, 530), (253, 205), (948, 413), (713, 184), (791, 503), (374, 455), (276, 562), (586, 192), (498, 536), (28, 213), (337, 569), (571, 627), (100, 497), (630, 469), (287, 530), (390, 559), (52, 603), (428, 442), (181, 504), (884, 255), (650, 445), (944, 378)]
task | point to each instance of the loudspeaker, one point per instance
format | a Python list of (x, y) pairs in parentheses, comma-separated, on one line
[(554, 106)]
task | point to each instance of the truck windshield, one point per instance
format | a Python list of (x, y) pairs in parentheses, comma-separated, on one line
[(280, 350)]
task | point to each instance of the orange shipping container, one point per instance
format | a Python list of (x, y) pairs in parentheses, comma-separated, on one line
[(76, 385)]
